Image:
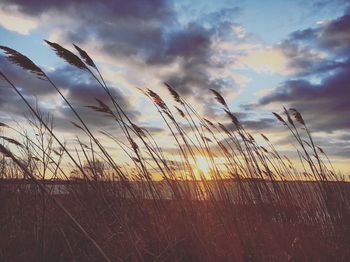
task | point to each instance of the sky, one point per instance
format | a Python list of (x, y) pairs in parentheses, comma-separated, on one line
[(260, 55)]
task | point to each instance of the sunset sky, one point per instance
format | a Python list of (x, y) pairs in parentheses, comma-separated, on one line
[(260, 55)]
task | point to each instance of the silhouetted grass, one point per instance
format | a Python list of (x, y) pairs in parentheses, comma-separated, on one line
[(258, 207)]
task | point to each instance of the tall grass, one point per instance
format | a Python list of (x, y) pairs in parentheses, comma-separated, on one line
[(257, 206)]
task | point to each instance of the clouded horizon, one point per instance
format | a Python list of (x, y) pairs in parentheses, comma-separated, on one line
[(260, 55)]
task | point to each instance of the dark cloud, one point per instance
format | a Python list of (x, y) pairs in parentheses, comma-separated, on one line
[(336, 35), (28, 83), (145, 32), (78, 87), (337, 148), (121, 28), (334, 146), (10, 103), (325, 101), (194, 46), (193, 42), (67, 78), (331, 36), (326, 104), (31, 87), (263, 124), (305, 49), (134, 8)]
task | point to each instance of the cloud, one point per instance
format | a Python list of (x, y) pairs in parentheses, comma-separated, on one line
[(326, 104), (147, 36), (147, 43), (77, 86), (135, 8), (12, 20), (324, 46), (267, 60), (325, 101)]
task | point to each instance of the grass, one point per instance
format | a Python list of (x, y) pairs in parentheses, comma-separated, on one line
[(257, 207)]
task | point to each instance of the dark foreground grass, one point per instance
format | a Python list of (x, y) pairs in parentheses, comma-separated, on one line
[(207, 231), (256, 207)]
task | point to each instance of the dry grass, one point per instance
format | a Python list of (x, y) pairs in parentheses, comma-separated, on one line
[(256, 208)]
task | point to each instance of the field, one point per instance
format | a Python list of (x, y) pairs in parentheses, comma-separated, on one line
[(257, 206)]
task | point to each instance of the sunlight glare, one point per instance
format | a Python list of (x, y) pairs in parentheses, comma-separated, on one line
[(202, 164)]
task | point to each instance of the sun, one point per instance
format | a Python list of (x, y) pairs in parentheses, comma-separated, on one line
[(202, 164)]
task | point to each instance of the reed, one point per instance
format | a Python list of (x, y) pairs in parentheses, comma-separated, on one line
[(253, 205)]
